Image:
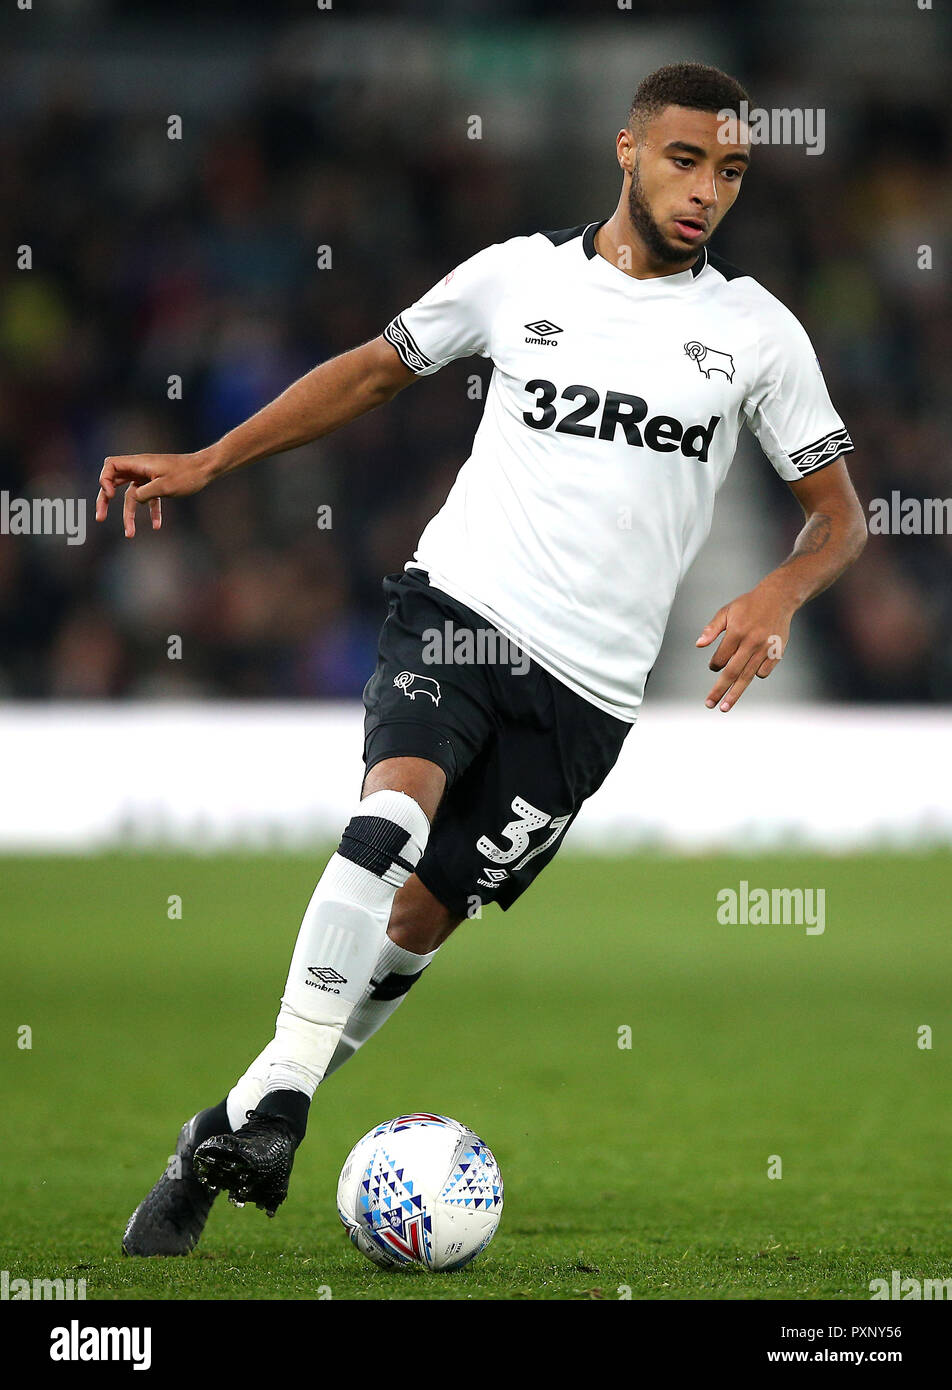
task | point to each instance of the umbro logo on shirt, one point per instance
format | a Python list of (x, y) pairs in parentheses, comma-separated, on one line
[(544, 329)]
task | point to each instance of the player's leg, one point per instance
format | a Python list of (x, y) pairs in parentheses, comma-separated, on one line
[(550, 751), (442, 718), (339, 942), (344, 929), (419, 924), (444, 709), (501, 822), (511, 807)]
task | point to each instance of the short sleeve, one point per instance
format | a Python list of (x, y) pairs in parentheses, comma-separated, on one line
[(454, 318), (790, 410)]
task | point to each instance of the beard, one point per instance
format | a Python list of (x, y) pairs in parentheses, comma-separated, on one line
[(647, 228)]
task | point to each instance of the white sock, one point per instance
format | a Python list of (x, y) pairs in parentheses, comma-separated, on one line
[(249, 1089), (367, 1017), (385, 993), (337, 946)]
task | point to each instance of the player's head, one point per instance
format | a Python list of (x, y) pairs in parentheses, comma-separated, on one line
[(681, 174)]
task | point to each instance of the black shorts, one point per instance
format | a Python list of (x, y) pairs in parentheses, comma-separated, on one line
[(521, 751)]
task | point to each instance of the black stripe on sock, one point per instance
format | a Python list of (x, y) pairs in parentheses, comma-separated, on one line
[(394, 986), (375, 843)]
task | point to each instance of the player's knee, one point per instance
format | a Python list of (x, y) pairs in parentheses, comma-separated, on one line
[(419, 778), (386, 837)]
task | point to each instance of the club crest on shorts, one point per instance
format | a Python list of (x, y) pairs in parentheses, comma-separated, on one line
[(413, 685)]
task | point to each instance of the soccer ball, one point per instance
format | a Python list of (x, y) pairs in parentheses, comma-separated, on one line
[(420, 1189)]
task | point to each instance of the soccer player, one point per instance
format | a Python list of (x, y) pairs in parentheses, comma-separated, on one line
[(626, 358)]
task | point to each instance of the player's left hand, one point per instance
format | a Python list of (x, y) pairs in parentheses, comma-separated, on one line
[(755, 627)]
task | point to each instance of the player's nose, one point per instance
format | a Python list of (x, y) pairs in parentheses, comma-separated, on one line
[(704, 192)]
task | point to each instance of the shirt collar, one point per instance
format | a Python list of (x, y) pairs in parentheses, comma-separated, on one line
[(588, 246)]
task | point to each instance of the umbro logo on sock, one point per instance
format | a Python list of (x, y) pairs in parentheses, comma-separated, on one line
[(324, 978)]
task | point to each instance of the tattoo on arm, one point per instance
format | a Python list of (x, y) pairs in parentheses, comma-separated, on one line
[(820, 530), (813, 537)]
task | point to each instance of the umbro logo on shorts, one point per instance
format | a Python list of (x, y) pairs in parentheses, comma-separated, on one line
[(413, 685), (544, 331), (493, 877)]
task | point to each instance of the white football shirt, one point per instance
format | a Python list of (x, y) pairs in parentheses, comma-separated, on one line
[(610, 422)]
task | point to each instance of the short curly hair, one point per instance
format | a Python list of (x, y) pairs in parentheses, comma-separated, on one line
[(695, 85)]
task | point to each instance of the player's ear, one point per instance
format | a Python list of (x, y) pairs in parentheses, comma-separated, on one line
[(625, 149)]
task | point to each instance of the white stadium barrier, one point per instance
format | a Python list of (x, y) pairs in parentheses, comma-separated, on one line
[(203, 776)]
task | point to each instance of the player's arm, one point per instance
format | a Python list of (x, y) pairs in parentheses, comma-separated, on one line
[(321, 401), (756, 626)]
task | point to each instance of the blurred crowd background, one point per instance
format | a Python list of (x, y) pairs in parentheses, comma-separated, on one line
[(349, 129)]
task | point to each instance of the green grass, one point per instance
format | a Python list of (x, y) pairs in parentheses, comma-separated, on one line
[(644, 1168)]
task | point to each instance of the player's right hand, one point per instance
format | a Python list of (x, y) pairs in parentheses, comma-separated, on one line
[(148, 478)]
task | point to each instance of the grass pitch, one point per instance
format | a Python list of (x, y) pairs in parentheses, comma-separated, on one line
[(641, 1169)]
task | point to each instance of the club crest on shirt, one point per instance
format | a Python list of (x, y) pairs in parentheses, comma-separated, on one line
[(710, 360)]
